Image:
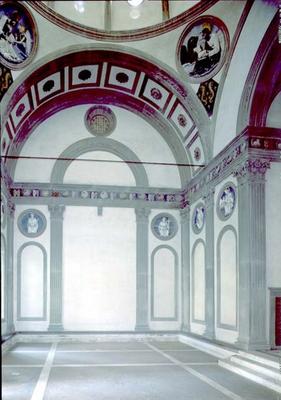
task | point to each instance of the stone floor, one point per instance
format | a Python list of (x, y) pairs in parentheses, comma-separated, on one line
[(124, 370)]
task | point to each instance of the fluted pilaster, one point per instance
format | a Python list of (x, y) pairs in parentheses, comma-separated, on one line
[(209, 267), (142, 270), (56, 265), (10, 267), (252, 254), (185, 265)]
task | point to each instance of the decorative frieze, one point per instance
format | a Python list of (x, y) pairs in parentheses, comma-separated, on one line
[(254, 167), (177, 198)]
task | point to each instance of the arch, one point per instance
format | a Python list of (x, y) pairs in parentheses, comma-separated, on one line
[(227, 228), (99, 144), (19, 279), (176, 273), (193, 314), (23, 109), (263, 81)]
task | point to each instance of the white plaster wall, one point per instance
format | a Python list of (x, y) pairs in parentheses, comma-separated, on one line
[(222, 334), (66, 127), (273, 119), (273, 229), (164, 279), (99, 173), (258, 20), (175, 243), (99, 269), (19, 240)]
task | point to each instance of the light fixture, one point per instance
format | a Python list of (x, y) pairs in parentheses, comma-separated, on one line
[(79, 6), (135, 3)]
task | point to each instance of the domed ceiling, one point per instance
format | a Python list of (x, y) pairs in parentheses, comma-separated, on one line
[(120, 20)]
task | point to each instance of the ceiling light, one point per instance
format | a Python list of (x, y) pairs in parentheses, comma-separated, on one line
[(79, 6), (135, 3)]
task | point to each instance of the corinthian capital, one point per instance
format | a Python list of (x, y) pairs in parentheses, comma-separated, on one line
[(252, 168)]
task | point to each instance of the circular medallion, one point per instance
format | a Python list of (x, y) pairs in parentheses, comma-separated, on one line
[(198, 218), (32, 223), (100, 121), (226, 201), (18, 35), (164, 226), (202, 49)]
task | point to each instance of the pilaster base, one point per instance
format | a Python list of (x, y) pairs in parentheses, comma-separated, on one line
[(55, 328), (185, 328), (209, 334), (249, 345), (142, 328)]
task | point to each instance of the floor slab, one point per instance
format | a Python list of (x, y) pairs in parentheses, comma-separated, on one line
[(146, 357), (18, 383), (128, 383), (245, 388)]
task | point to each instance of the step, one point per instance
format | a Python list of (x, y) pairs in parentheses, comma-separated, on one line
[(257, 366), (272, 362), (259, 378)]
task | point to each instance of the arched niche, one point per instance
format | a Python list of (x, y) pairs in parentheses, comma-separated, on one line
[(164, 284), (227, 278), (198, 282), (31, 282)]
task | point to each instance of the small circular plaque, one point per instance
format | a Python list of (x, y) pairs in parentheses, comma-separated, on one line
[(32, 223), (164, 226), (226, 201), (100, 120), (198, 218)]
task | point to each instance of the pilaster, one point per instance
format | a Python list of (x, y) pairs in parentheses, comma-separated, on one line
[(252, 254), (185, 265), (209, 266), (10, 267), (142, 270), (56, 266)]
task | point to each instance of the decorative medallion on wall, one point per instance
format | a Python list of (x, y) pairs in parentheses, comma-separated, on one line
[(226, 201), (202, 49), (164, 226), (100, 120), (3, 212), (198, 218), (18, 35), (6, 80), (207, 94), (32, 223)]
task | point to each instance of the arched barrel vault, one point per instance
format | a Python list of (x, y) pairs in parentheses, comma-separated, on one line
[(110, 75)]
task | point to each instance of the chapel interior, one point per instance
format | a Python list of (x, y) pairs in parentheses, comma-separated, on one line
[(140, 199)]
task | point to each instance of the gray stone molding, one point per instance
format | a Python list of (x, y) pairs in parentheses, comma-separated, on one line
[(4, 251), (209, 266), (10, 268), (197, 321), (99, 144), (273, 293), (56, 266), (142, 270), (175, 316), (19, 274), (185, 268), (219, 266), (252, 255)]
